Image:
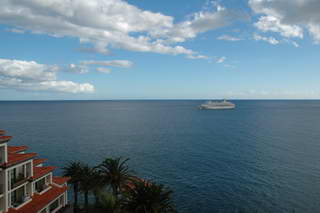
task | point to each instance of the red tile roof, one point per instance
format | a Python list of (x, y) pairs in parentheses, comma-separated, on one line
[(131, 185), (4, 139), (41, 171), (40, 201), (60, 180), (39, 161), (15, 158), (2, 132), (16, 149)]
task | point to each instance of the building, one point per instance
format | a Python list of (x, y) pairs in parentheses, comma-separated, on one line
[(26, 185)]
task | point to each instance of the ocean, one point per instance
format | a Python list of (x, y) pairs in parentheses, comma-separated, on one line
[(263, 156)]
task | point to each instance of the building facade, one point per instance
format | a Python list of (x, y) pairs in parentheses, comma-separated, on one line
[(26, 185)]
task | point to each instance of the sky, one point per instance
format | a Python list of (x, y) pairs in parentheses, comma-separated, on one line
[(168, 49)]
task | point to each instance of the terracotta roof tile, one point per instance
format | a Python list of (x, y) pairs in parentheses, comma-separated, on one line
[(39, 161), (41, 171), (131, 185), (16, 149), (60, 180), (4, 139), (15, 158), (40, 201)]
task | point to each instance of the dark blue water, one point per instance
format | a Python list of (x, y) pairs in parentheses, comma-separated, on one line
[(264, 156)]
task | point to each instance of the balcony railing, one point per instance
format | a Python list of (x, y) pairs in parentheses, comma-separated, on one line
[(20, 179), (42, 188), (19, 201)]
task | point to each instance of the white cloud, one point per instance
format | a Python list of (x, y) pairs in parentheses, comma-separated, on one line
[(28, 70), (65, 86), (200, 22), (221, 59), (30, 75), (228, 38), (15, 30), (288, 17), (48, 86), (314, 30), (84, 66), (77, 68), (197, 57), (273, 24), (270, 40), (113, 63), (112, 24), (103, 70), (295, 44)]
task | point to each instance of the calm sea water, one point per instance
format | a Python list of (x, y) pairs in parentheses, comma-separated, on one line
[(264, 156)]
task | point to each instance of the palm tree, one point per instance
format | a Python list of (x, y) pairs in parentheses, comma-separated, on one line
[(110, 203), (98, 186), (87, 183), (115, 173), (73, 170), (147, 197)]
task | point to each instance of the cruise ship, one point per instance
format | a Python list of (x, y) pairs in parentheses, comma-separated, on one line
[(217, 105)]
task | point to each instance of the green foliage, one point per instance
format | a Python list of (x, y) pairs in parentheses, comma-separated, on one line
[(115, 173), (148, 197), (86, 178), (73, 170), (128, 194), (110, 203)]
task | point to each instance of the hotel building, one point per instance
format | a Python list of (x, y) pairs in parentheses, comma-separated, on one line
[(26, 185)]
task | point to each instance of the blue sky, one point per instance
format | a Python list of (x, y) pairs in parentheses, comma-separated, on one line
[(195, 49)]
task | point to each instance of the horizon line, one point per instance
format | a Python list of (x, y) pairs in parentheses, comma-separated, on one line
[(172, 99)]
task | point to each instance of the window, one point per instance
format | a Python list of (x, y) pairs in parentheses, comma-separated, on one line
[(13, 197), (12, 176), (61, 200), (18, 197), (41, 185), (2, 153), (48, 179), (54, 205), (1, 188), (17, 175)]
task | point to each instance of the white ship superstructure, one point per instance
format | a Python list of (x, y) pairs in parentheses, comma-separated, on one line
[(217, 105)]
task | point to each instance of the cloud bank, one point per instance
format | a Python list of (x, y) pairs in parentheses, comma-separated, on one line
[(30, 75), (228, 38), (289, 18), (270, 40), (113, 24), (113, 63), (84, 66)]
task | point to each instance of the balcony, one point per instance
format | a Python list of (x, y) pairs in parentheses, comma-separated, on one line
[(20, 201), (19, 197), (41, 188), (18, 180)]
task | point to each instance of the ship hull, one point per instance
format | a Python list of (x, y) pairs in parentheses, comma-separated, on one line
[(216, 107)]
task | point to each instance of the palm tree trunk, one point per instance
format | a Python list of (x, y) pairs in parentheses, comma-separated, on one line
[(96, 198), (86, 202), (75, 194), (115, 191)]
